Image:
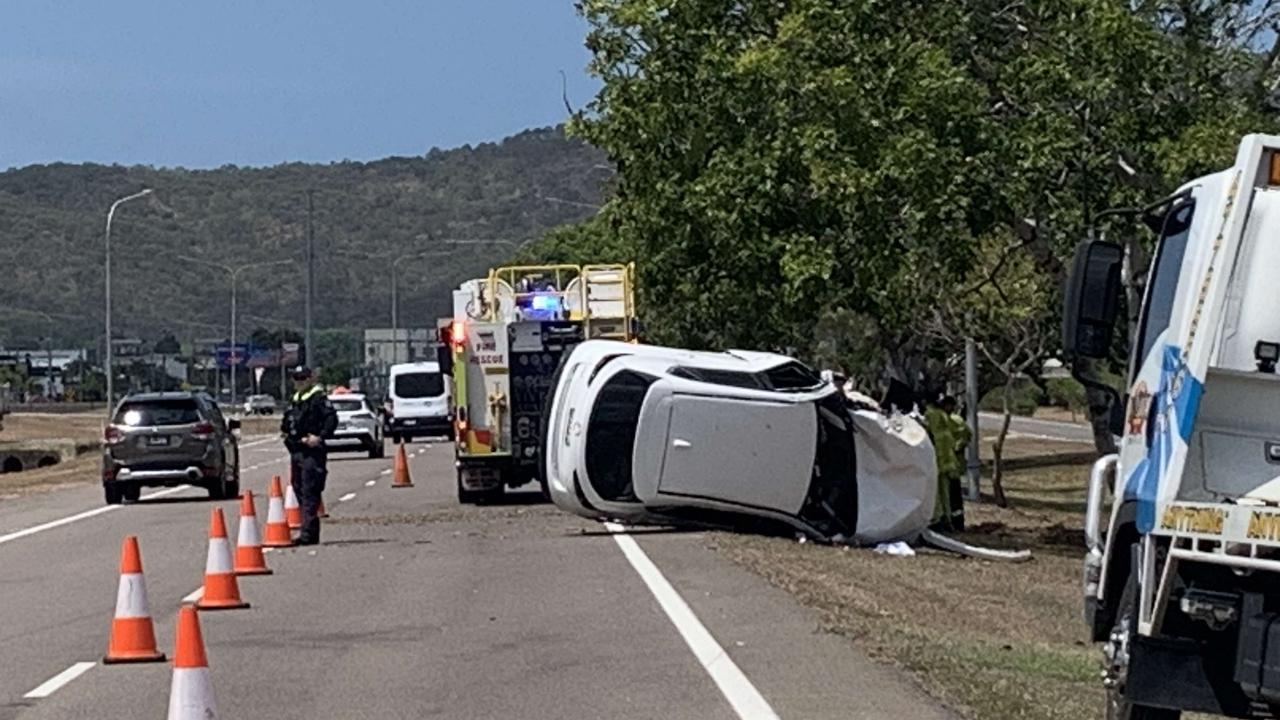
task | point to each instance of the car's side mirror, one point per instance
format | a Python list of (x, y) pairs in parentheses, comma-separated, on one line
[(233, 424), (1092, 299)]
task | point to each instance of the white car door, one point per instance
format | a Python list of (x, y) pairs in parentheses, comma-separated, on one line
[(751, 453)]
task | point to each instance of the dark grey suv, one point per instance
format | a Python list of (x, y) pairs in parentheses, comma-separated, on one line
[(170, 438)]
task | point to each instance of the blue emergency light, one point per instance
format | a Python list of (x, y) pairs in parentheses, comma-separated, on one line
[(540, 306)]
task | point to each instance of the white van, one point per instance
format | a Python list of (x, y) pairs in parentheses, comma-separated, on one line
[(418, 401)]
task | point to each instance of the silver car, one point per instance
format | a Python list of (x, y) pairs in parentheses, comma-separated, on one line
[(649, 434), (359, 427)]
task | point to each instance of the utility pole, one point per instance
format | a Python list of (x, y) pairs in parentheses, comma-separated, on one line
[(973, 466), (308, 348), (395, 314)]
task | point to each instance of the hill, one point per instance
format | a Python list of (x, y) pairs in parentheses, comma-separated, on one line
[(52, 219)]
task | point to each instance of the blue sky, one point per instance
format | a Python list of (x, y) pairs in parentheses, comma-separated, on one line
[(259, 82)]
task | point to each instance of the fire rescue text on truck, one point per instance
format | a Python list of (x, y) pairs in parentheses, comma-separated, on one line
[(507, 336), (1183, 587)]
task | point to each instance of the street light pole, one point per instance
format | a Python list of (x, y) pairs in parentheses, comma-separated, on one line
[(107, 364)]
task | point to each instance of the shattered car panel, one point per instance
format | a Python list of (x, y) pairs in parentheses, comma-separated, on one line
[(647, 434)]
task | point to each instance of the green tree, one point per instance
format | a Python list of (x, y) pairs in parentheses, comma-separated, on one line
[(856, 166)]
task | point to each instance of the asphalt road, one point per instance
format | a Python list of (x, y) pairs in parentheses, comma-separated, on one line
[(1036, 428), (417, 607)]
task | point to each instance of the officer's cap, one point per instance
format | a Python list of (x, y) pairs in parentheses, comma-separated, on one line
[(302, 372)]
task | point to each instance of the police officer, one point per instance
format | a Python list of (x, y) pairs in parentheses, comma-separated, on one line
[(308, 421)]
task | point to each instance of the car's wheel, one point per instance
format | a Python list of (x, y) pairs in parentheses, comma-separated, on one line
[(112, 493), (131, 493), (375, 450), (231, 489)]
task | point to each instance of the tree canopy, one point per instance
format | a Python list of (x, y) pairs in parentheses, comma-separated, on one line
[(790, 170)]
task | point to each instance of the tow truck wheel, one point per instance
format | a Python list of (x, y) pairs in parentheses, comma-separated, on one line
[(1116, 651)]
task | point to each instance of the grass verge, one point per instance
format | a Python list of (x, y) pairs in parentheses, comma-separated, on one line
[(990, 640)]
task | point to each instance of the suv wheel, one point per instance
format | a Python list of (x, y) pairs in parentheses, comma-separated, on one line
[(131, 493), (377, 449), (112, 493), (226, 488)]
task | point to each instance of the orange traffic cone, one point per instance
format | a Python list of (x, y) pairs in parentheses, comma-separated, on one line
[(277, 534), (249, 557), (191, 690), (133, 636), (320, 511), (221, 591), (292, 511), (400, 476)]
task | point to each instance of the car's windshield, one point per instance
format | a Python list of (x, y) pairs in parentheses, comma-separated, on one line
[(348, 405), (419, 385), (158, 412)]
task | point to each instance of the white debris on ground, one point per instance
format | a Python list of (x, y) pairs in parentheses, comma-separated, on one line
[(897, 549)]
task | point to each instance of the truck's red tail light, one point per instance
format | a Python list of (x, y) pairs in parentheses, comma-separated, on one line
[(202, 431), (458, 333), (112, 435)]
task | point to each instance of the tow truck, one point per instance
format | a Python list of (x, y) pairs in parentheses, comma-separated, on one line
[(1182, 524), (508, 333)]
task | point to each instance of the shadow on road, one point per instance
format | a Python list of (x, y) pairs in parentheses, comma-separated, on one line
[(520, 498)]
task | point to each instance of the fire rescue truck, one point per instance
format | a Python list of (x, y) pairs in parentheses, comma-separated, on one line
[(503, 346)]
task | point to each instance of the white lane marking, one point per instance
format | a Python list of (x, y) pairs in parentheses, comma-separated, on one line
[(255, 443), (413, 454), (162, 493), (346, 497), (385, 472), (194, 596), (747, 702), (80, 516), (371, 483), (50, 686)]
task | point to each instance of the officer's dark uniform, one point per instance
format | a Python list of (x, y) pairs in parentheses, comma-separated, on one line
[(309, 413)]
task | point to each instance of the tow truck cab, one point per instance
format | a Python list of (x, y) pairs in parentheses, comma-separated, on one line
[(1182, 571)]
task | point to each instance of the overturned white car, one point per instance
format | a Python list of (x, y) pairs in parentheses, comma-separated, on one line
[(648, 434)]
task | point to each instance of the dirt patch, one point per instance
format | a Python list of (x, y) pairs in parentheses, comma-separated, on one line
[(991, 640), (81, 428)]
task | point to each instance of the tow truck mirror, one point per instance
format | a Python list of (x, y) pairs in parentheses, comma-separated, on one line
[(1092, 299)]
